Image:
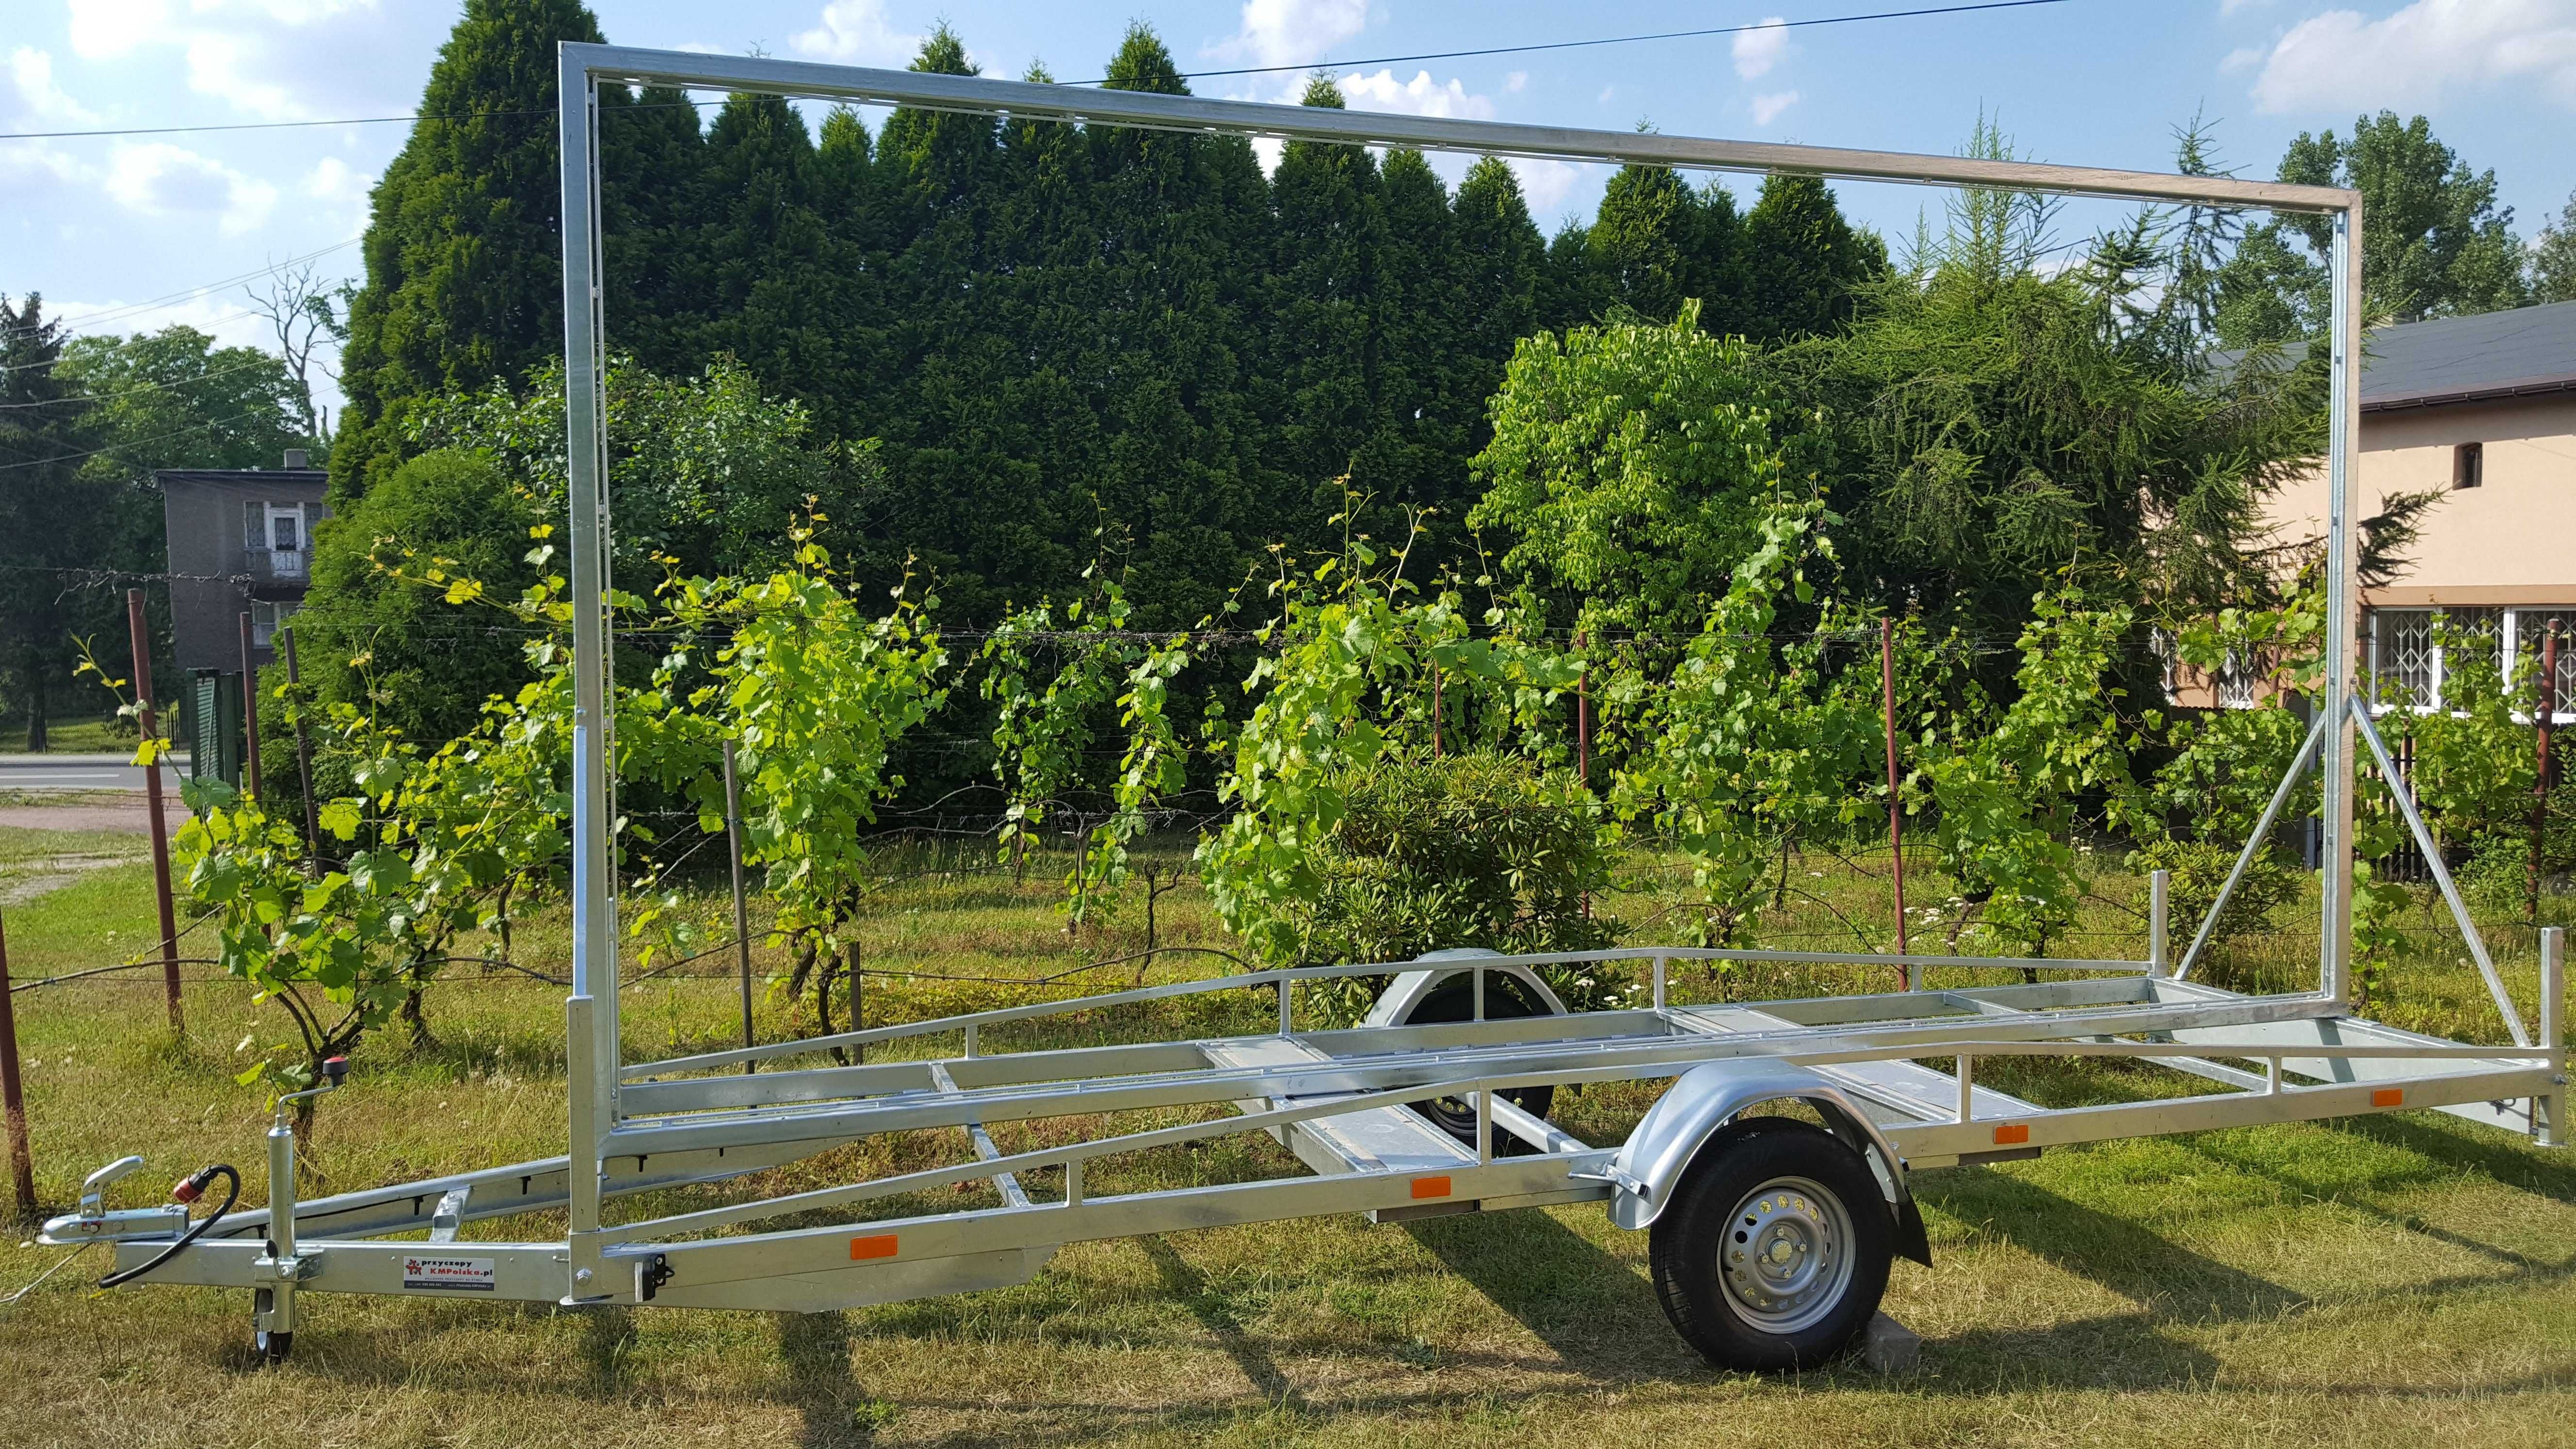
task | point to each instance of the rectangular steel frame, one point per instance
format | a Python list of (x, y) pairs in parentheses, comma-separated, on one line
[(591, 1012), (647, 1126)]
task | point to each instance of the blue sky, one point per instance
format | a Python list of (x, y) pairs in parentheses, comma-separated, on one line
[(106, 226)]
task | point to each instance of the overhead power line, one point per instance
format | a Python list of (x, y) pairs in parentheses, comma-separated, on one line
[(1702, 34), (123, 310), (127, 309), (1491, 50)]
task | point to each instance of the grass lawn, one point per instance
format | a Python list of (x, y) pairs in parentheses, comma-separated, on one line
[(2406, 1278), (96, 734)]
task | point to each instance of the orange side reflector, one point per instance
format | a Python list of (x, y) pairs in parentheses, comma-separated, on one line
[(2388, 1097), (1431, 1187), (2012, 1132), (879, 1246)]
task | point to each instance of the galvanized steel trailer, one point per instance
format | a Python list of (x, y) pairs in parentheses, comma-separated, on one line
[(1771, 1235)]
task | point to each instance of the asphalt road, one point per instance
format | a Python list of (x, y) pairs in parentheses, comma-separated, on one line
[(82, 772)]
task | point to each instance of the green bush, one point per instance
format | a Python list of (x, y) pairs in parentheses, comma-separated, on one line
[(1472, 849), (393, 645), (2199, 869)]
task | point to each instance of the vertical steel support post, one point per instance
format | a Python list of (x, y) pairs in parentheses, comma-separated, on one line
[(2159, 936), (2549, 1111), (275, 1312), (2335, 754), (590, 1014)]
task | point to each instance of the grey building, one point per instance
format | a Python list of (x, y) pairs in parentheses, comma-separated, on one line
[(241, 541)]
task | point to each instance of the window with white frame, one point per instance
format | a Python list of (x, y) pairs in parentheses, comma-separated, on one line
[(2404, 665), (278, 537)]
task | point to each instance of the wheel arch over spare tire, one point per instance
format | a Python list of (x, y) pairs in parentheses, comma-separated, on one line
[(1650, 1167)]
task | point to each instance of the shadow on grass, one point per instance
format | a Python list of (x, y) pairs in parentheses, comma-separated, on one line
[(608, 1340), (1598, 1314), (2467, 1145), (2171, 1284), (837, 1409), (1217, 1316)]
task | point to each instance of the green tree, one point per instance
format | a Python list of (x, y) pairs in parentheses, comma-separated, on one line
[(2437, 244), (464, 282), (1502, 264), (653, 208), (58, 517), (1628, 464), (1806, 265), (1322, 308), (2553, 258), (173, 399), (2269, 291), (376, 633), (704, 471), (1657, 243), (1993, 428)]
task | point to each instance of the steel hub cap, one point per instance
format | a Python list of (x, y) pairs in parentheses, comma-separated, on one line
[(1786, 1258)]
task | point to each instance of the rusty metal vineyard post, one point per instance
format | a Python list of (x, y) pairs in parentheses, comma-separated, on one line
[(139, 634)]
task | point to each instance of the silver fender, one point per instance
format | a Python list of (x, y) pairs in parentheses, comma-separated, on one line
[(1650, 1165), (1406, 991)]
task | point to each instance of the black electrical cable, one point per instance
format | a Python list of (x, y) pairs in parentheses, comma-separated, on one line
[(196, 1230)]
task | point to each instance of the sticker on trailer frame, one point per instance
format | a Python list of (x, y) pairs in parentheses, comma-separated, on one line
[(449, 1275)]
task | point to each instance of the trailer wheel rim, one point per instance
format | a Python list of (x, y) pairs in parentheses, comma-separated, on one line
[(1785, 1260)]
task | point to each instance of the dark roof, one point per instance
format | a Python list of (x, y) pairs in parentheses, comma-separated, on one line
[(314, 477), (2466, 359)]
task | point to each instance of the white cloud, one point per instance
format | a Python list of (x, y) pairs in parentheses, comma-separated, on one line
[(342, 192), (156, 179), (1767, 109), (2242, 58), (32, 170), (1545, 184), (1516, 82), (222, 317), (857, 30), (1293, 32), (1420, 96), (2343, 59), (1759, 49), (232, 48), (32, 70)]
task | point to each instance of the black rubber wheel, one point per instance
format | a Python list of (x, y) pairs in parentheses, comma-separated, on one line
[(1507, 998), (272, 1347), (1774, 1250)]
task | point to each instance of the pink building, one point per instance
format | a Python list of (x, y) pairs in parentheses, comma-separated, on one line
[(2483, 409)]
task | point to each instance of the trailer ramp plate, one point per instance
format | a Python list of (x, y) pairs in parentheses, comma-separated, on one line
[(1374, 1139), (1895, 1093)]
